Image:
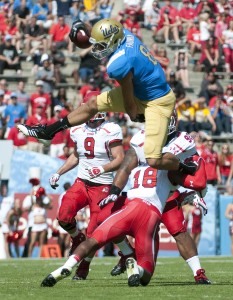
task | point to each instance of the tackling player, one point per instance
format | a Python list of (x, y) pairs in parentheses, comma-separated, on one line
[(139, 216), (98, 152), (143, 94)]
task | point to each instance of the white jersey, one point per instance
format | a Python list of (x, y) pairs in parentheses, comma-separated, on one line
[(93, 147), (5, 207), (182, 146)]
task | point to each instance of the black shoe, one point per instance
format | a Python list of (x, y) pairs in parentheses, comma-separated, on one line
[(51, 280), (37, 131), (120, 268), (132, 272)]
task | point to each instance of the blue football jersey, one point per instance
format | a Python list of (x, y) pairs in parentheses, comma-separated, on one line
[(149, 79)]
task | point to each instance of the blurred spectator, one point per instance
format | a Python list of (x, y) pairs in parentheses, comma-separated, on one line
[(211, 164), (131, 23), (210, 87), (210, 56), (204, 27), (105, 8), (230, 106), (207, 7), (187, 15), (229, 215), (61, 98), (198, 139), (152, 17), (65, 154), (203, 119), (177, 87), (9, 58), (46, 74), (169, 23), (7, 204), (40, 226), (38, 117), (74, 10), (42, 98), (12, 29), (160, 55), (41, 11), (21, 14), (221, 5), (58, 142), (186, 115), (10, 228), (58, 61), (59, 34), (14, 111), (89, 87), (227, 37), (18, 138), (229, 92), (2, 114), (63, 8), (193, 38), (135, 5), (221, 116), (7, 92), (221, 26), (34, 37), (22, 95), (225, 158), (193, 219), (181, 64)]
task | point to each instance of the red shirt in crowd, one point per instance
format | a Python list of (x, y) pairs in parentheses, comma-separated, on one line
[(193, 35), (187, 13), (211, 163), (35, 120), (17, 137), (60, 137), (225, 165), (59, 32), (43, 99), (173, 13)]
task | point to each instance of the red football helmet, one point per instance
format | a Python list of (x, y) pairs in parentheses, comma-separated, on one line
[(173, 123)]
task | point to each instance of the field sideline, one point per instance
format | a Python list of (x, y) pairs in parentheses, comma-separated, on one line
[(20, 279)]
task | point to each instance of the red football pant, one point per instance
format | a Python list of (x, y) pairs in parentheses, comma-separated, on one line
[(79, 196), (138, 219)]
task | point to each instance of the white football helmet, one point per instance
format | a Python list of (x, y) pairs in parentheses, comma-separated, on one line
[(172, 127), (106, 37)]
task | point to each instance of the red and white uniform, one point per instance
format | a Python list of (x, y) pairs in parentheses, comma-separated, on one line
[(211, 163), (93, 147), (42, 99)]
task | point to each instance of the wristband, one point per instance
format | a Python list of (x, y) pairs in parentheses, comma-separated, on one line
[(115, 190)]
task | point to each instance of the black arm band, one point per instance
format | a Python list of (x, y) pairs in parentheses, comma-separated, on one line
[(115, 190)]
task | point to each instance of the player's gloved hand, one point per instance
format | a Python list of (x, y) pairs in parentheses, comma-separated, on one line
[(109, 199), (200, 203), (95, 171), (188, 168), (76, 26), (53, 180), (139, 118), (185, 198)]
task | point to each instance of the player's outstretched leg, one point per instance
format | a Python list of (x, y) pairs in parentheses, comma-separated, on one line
[(201, 278), (132, 272), (38, 131), (75, 241), (56, 276)]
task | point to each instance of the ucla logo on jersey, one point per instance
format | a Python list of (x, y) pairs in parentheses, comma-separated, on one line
[(108, 32)]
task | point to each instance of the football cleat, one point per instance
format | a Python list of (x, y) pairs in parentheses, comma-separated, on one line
[(37, 131), (201, 278), (82, 270), (58, 275), (78, 239), (132, 272), (120, 268)]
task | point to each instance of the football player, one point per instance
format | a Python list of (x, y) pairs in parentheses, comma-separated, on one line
[(139, 215), (143, 93), (98, 152)]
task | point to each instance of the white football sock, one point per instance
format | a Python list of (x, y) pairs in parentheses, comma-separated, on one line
[(125, 248), (194, 264), (71, 262)]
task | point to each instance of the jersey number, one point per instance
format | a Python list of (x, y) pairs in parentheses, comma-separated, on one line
[(89, 145), (147, 54), (149, 178)]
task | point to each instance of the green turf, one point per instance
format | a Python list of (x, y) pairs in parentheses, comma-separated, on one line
[(20, 279)]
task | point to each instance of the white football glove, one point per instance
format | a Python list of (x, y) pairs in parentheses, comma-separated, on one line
[(200, 203), (53, 180), (109, 199), (95, 171)]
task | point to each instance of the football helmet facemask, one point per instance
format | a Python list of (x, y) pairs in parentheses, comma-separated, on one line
[(99, 116), (106, 37), (172, 127)]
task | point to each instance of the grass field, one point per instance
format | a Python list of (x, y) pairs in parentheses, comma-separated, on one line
[(20, 279)]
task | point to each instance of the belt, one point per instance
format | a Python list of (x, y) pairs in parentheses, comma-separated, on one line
[(90, 183)]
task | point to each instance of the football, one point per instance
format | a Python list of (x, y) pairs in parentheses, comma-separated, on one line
[(82, 39)]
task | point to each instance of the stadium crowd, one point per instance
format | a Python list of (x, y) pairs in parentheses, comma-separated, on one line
[(198, 33)]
